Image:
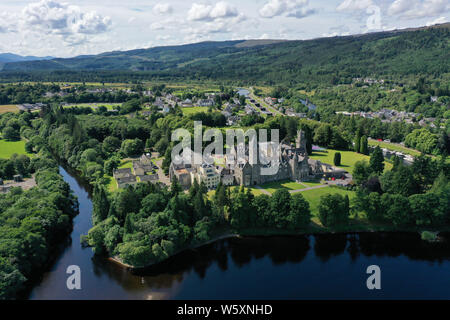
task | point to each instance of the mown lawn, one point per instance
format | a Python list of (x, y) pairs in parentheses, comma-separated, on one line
[(8, 148), (194, 110), (287, 184), (313, 196), (8, 108), (348, 159), (126, 164), (310, 184)]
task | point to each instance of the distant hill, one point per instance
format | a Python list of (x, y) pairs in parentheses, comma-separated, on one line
[(335, 60), (10, 57)]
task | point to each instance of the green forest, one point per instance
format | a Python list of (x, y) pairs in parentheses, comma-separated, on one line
[(332, 61)]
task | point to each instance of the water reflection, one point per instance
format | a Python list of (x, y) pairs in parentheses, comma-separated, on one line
[(240, 253), (303, 267)]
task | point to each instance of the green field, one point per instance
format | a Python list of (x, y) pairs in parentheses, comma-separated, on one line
[(394, 147), (348, 159), (313, 196), (8, 148), (193, 110)]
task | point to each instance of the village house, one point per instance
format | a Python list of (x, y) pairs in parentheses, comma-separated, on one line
[(233, 120), (182, 173), (206, 103), (124, 177), (186, 103), (143, 170)]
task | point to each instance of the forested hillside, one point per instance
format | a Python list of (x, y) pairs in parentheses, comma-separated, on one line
[(394, 54)]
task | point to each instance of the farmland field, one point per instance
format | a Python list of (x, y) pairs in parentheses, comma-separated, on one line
[(8, 108)]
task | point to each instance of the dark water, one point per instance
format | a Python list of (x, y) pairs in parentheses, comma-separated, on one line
[(309, 267)]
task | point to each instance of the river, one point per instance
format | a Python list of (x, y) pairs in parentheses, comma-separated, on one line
[(304, 267)]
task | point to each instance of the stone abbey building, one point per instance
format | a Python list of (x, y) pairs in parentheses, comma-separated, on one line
[(294, 164)]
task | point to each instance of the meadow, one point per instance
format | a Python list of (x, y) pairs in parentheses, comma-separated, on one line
[(8, 148)]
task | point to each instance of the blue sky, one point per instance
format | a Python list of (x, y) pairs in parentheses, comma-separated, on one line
[(66, 28)]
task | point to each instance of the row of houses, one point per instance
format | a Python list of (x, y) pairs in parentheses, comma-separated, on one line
[(388, 116)]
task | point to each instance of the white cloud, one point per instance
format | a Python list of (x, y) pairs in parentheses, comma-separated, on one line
[(206, 12), (399, 6), (437, 21), (163, 37), (70, 22), (156, 26), (162, 8), (289, 8), (70, 27), (223, 10), (354, 5), (199, 12), (412, 9), (7, 22)]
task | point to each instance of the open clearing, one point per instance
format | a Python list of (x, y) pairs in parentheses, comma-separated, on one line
[(8, 148), (194, 110)]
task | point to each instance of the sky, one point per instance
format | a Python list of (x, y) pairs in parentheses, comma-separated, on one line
[(66, 28)]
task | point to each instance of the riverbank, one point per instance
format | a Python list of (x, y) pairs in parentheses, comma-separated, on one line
[(354, 225), (312, 230), (227, 236)]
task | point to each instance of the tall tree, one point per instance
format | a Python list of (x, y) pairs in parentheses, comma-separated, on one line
[(358, 141), (337, 159), (364, 145), (101, 204), (377, 161)]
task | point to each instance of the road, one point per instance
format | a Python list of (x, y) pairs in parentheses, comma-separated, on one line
[(263, 103)]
